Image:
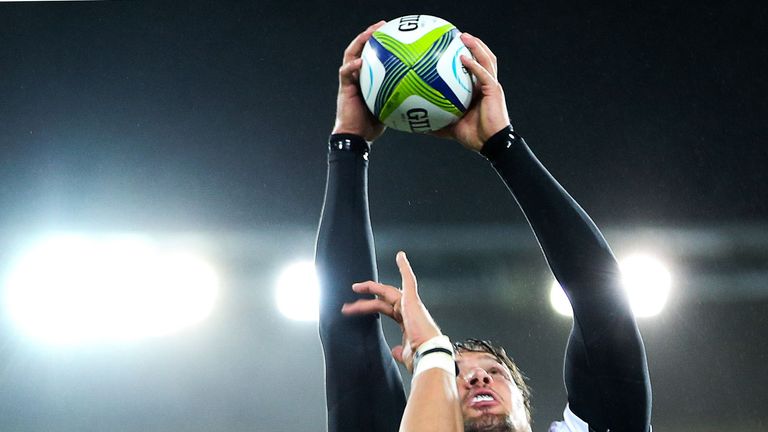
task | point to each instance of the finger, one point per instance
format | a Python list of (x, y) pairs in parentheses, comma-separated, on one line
[(347, 71), (410, 288), (490, 53), (355, 47), (397, 353), (397, 313), (482, 75), (366, 307), (387, 293), (478, 50)]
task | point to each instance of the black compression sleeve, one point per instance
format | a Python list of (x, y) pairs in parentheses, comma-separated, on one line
[(364, 391), (606, 374)]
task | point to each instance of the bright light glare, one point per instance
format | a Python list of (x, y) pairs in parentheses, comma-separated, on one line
[(646, 280), (559, 300), (76, 289), (298, 293)]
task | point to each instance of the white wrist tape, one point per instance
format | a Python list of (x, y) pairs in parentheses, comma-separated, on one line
[(438, 360), (434, 353)]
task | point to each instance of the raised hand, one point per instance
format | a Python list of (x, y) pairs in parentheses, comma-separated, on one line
[(488, 112), (405, 307), (352, 116)]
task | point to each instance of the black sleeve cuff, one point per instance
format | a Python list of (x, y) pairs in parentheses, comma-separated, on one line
[(500, 142), (349, 143)]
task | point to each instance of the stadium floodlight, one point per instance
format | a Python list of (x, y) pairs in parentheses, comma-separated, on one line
[(75, 289), (297, 292), (647, 281), (645, 278)]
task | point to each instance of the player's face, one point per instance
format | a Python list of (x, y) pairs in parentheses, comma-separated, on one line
[(488, 394)]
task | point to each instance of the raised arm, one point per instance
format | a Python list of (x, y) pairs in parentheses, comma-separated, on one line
[(364, 390), (433, 405), (606, 375)]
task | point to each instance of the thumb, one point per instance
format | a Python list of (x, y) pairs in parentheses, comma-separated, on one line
[(397, 353), (446, 132)]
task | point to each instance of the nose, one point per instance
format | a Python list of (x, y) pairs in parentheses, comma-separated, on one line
[(478, 377)]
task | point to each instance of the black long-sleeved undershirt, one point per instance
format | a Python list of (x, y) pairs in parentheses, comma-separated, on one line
[(364, 390), (606, 373), (605, 368)]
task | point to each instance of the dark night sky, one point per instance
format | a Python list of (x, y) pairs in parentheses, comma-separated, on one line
[(214, 115)]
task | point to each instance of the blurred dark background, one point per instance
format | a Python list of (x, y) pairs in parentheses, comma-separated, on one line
[(209, 120)]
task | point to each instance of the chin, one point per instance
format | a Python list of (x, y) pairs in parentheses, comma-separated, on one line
[(489, 423)]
